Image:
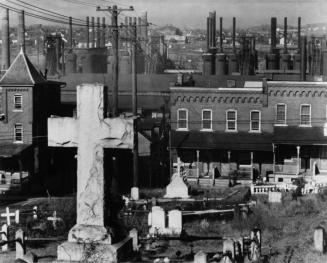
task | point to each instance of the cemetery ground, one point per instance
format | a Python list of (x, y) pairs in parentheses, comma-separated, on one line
[(287, 227)]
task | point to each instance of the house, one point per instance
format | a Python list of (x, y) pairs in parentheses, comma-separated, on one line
[(27, 100), (249, 128)]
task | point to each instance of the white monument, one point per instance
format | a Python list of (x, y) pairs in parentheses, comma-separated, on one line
[(91, 133), (177, 188)]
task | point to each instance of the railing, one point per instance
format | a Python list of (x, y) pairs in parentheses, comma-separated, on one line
[(262, 189)]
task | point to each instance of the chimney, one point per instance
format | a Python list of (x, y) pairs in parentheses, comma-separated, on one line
[(21, 30), (208, 33), (303, 65), (285, 35), (98, 32), (299, 34), (273, 34), (92, 32), (103, 37), (70, 40), (234, 33), (221, 34), (5, 54), (87, 32)]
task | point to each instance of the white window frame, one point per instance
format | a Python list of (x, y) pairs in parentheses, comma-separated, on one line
[(276, 111), (228, 121), (305, 125), (183, 128), (259, 130), (21, 106), (15, 133), (206, 129)]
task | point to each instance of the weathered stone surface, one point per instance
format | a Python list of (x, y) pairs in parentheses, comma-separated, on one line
[(89, 234), (135, 195), (175, 221), (177, 188), (200, 257), (319, 239)]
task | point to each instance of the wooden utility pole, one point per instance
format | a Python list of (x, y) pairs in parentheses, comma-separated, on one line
[(115, 11), (134, 101)]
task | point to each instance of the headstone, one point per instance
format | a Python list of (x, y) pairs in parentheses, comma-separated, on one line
[(175, 221), (177, 188), (158, 221), (4, 236), (200, 257), (54, 219), (274, 197), (17, 216), (319, 239), (20, 244), (8, 215), (91, 132), (135, 193), (228, 245), (134, 235)]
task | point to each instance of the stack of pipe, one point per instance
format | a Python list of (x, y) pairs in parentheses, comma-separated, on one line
[(233, 63), (221, 56), (272, 60), (285, 58), (297, 56), (209, 55)]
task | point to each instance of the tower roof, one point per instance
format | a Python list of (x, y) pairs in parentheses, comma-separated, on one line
[(21, 72)]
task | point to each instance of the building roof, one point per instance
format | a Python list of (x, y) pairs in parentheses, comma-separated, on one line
[(10, 150), (221, 140), (21, 72), (214, 81), (299, 135)]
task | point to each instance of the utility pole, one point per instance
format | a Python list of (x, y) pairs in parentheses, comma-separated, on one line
[(134, 102), (115, 11)]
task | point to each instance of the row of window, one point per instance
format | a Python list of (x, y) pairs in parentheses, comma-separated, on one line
[(255, 118)]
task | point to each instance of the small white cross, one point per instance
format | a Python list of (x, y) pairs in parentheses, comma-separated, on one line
[(8, 215), (54, 219)]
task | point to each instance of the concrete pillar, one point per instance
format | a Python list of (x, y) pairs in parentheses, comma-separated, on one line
[(21, 30), (5, 48)]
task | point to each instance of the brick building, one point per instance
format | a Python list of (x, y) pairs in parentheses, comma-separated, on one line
[(234, 123), (27, 100)]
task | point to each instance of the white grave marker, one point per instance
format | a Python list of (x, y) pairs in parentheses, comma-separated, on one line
[(8, 215), (175, 221)]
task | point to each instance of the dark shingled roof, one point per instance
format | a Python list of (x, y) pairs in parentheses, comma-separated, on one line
[(9, 150), (299, 135), (21, 72), (221, 140)]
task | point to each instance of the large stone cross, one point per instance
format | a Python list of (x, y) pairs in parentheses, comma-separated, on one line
[(91, 133)]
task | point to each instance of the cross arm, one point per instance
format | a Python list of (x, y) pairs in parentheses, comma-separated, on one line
[(62, 132)]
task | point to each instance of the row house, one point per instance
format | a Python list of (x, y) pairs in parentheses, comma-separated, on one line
[(249, 128)]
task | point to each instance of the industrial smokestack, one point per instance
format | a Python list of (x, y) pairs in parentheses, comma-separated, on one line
[(92, 32), (21, 30), (299, 33), (70, 40), (103, 37), (208, 33), (234, 33), (221, 34), (5, 49), (98, 32), (303, 58), (273, 34), (87, 32), (285, 35)]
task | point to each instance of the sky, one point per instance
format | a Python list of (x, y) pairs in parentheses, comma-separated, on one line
[(192, 13)]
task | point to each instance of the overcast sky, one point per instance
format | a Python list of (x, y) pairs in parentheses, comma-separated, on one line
[(194, 12)]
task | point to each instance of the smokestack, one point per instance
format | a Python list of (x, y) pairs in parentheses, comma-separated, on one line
[(299, 33), (5, 49), (92, 32), (273, 34), (303, 58), (87, 32), (234, 33), (98, 32), (208, 33), (221, 34), (70, 40), (21, 30), (214, 22), (285, 35), (103, 38)]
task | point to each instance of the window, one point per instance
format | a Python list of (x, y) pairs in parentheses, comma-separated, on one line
[(182, 119), (231, 120), (305, 115), (255, 120), (280, 114), (18, 132), (18, 102), (206, 119)]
